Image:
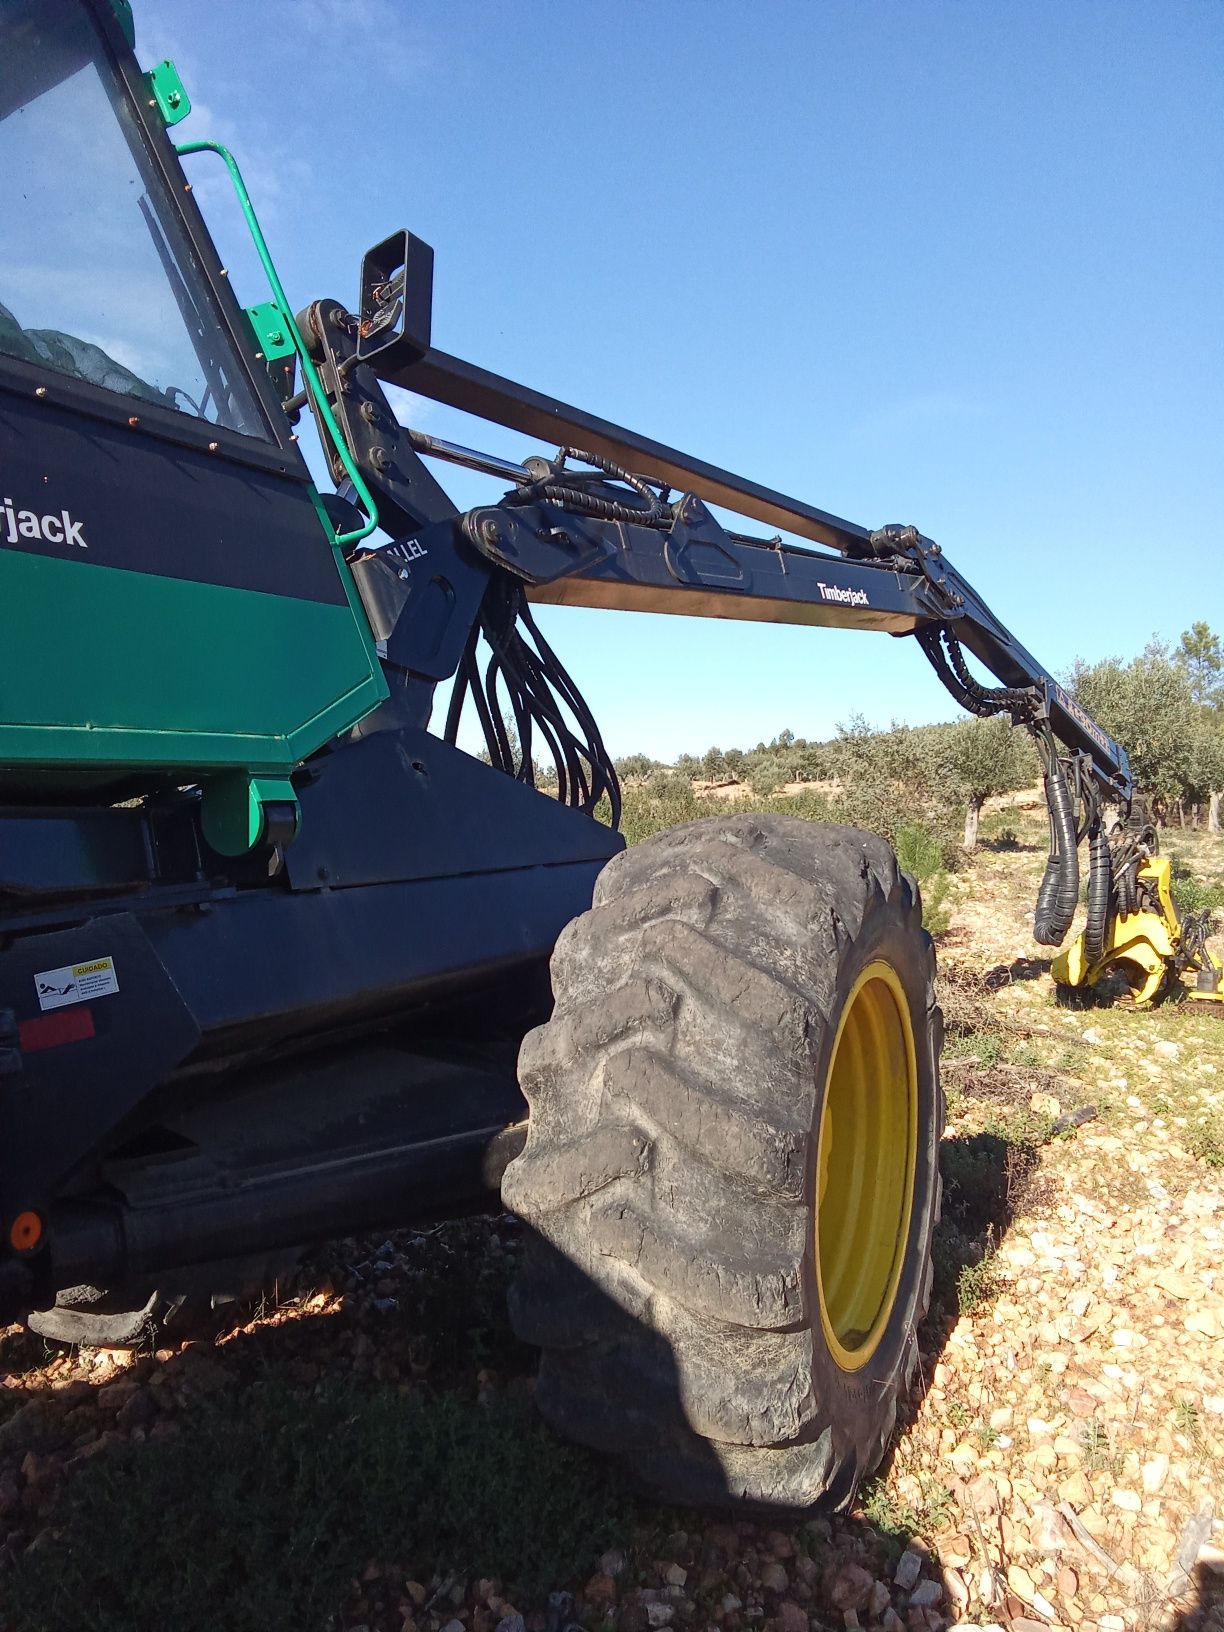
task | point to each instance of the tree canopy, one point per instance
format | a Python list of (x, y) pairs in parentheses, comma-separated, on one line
[(1166, 708)]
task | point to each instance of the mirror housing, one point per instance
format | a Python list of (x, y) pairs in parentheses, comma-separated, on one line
[(396, 307)]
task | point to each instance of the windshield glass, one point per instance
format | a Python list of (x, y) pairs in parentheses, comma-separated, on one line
[(98, 279)]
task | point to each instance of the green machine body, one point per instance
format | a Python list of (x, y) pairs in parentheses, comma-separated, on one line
[(174, 600)]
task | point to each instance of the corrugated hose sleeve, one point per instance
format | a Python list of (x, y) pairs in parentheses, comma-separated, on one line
[(1059, 893), (1100, 893)]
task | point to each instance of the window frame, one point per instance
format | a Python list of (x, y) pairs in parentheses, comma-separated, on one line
[(163, 171)]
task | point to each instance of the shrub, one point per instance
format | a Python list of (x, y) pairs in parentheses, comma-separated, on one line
[(766, 776), (1191, 894), (920, 853), (665, 800)]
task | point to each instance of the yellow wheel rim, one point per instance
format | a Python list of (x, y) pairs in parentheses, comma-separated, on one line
[(865, 1156)]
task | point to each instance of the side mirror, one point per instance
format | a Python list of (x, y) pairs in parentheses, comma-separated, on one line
[(396, 302)]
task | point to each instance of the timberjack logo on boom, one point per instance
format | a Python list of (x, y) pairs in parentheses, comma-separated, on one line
[(58, 528), (848, 597)]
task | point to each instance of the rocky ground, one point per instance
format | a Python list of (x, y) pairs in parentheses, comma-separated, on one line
[(360, 1452)]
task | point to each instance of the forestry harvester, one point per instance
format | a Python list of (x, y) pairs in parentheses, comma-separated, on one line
[(279, 962)]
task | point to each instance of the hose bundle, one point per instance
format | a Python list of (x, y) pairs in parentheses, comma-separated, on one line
[(1101, 903), (523, 684), (943, 652), (1058, 894), (1193, 952), (1132, 846), (552, 483)]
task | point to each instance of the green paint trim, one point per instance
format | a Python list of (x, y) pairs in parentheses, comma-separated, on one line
[(360, 616), (123, 13), (196, 655), (309, 372)]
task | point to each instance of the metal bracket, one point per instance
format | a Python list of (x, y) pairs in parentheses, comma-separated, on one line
[(168, 92), (240, 812), (908, 544), (271, 331)]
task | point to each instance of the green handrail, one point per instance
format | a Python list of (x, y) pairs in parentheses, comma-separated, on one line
[(309, 372)]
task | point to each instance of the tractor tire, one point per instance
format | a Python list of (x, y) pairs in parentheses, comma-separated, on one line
[(731, 1174)]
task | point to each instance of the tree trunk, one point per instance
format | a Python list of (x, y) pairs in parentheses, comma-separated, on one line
[(1213, 812), (971, 824), (1181, 814)]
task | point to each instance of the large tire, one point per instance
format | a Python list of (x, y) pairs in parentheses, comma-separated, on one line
[(719, 1304)]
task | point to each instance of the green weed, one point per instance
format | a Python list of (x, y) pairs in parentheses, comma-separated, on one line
[(898, 1520), (1204, 1138), (295, 1496), (977, 1284), (1027, 1056), (1100, 1456), (1186, 1418)]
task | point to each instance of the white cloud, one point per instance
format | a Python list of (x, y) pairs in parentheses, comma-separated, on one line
[(409, 409), (382, 34)]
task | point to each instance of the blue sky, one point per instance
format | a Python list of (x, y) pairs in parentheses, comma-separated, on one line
[(912, 260)]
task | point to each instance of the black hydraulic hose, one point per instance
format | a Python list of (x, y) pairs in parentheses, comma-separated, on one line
[(527, 675), (1100, 894), (1126, 882), (1059, 891), (1132, 847), (547, 486)]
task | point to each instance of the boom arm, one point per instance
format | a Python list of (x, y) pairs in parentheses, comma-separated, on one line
[(892, 580), (601, 524)]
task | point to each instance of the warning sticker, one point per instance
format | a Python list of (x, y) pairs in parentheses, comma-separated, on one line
[(76, 984)]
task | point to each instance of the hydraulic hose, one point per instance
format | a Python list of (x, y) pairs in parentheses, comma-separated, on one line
[(1059, 892), (1127, 887), (1100, 893)]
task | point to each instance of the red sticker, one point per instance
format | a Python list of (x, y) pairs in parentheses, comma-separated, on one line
[(73, 1025)]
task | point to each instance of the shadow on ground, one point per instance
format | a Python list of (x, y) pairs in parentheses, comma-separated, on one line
[(372, 1443), (1019, 969)]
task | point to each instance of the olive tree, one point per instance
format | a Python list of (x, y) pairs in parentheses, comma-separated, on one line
[(1208, 765), (989, 756), (636, 767), (890, 778), (1200, 656), (1148, 706)]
